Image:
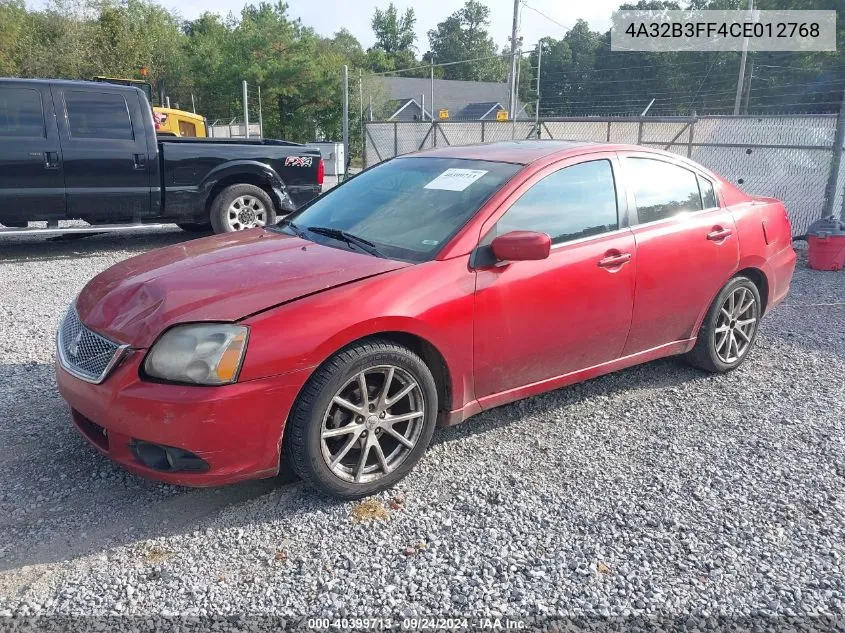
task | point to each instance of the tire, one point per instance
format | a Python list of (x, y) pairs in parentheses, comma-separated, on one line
[(316, 413), (195, 227), (240, 207), (714, 350)]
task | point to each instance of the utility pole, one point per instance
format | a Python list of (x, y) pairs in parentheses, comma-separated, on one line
[(361, 107), (345, 118), (741, 77), (746, 98), (260, 114), (512, 75), (246, 110)]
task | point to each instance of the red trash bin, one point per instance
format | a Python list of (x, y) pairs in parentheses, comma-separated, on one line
[(826, 239)]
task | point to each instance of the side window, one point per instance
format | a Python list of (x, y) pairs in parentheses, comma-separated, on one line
[(661, 189), (21, 114), (708, 196), (98, 115), (571, 203)]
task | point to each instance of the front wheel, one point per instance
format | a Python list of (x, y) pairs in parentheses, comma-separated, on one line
[(729, 329), (363, 420), (241, 207)]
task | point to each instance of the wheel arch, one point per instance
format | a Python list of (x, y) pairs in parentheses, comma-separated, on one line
[(422, 347), (759, 279), (244, 173)]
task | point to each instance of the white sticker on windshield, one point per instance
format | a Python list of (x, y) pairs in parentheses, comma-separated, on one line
[(456, 179)]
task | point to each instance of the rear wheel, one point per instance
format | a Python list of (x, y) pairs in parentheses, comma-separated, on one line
[(729, 329), (241, 207), (363, 420)]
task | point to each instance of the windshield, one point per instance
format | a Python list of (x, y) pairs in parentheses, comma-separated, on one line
[(407, 208)]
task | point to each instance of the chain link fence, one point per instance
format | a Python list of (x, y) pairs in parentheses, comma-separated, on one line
[(787, 156)]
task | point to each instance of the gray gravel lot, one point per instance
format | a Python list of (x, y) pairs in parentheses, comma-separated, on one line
[(655, 490)]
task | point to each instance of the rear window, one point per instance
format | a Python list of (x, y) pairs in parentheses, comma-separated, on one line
[(662, 189), (98, 115), (21, 114)]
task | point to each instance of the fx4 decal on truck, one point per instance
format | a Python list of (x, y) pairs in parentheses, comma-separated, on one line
[(299, 161)]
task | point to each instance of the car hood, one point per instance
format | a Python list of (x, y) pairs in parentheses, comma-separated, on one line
[(220, 278)]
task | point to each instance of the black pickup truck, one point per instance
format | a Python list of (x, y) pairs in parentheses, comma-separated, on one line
[(85, 150)]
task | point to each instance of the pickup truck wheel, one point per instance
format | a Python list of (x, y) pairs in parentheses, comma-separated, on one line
[(241, 207)]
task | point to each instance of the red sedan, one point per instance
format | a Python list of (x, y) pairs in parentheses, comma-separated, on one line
[(429, 288)]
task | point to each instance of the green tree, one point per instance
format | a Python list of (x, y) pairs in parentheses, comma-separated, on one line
[(463, 35), (394, 46)]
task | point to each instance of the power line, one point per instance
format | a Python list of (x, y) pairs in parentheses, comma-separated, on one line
[(441, 65)]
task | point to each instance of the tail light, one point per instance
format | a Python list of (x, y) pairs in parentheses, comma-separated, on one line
[(321, 172)]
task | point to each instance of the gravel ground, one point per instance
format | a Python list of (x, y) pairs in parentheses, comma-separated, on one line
[(658, 490)]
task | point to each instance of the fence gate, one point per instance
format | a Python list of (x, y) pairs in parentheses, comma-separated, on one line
[(786, 156)]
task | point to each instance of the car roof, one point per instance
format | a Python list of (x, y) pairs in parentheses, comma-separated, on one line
[(69, 82), (525, 152)]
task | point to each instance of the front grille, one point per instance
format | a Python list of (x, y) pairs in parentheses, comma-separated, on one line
[(82, 352)]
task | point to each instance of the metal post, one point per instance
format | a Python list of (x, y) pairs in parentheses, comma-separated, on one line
[(537, 107), (361, 110), (345, 119), (371, 108), (193, 104), (741, 77), (260, 114), (512, 79), (246, 109), (836, 161), (422, 107), (168, 101), (432, 88)]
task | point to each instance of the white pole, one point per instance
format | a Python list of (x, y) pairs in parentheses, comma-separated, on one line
[(246, 110), (345, 118), (648, 107), (193, 104), (260, 114), (431, 105)]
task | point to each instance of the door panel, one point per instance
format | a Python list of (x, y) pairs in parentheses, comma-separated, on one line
[(105, 154), (31, 175), (535, 320), (683, 259)]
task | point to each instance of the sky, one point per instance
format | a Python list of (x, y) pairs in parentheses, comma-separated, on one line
[(329, 16)]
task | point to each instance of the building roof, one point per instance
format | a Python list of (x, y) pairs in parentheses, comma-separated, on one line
[(450, 94), (479, 109)]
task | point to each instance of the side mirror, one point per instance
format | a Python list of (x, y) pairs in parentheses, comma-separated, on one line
[(521, 246)]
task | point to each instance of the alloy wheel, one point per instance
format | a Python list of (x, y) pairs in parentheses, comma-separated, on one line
[(246, 212), (373, 423), (735, 325)]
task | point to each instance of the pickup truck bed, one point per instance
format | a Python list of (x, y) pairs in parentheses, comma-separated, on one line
[(84, 150)]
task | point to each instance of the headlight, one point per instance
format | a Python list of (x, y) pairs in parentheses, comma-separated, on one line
[(201, 353)]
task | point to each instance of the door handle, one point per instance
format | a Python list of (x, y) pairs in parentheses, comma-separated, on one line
[(718, 234), (140, 161), (612, 261), (51, 160)]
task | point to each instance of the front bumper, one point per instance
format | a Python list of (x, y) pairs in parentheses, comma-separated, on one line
[(235, 429)]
